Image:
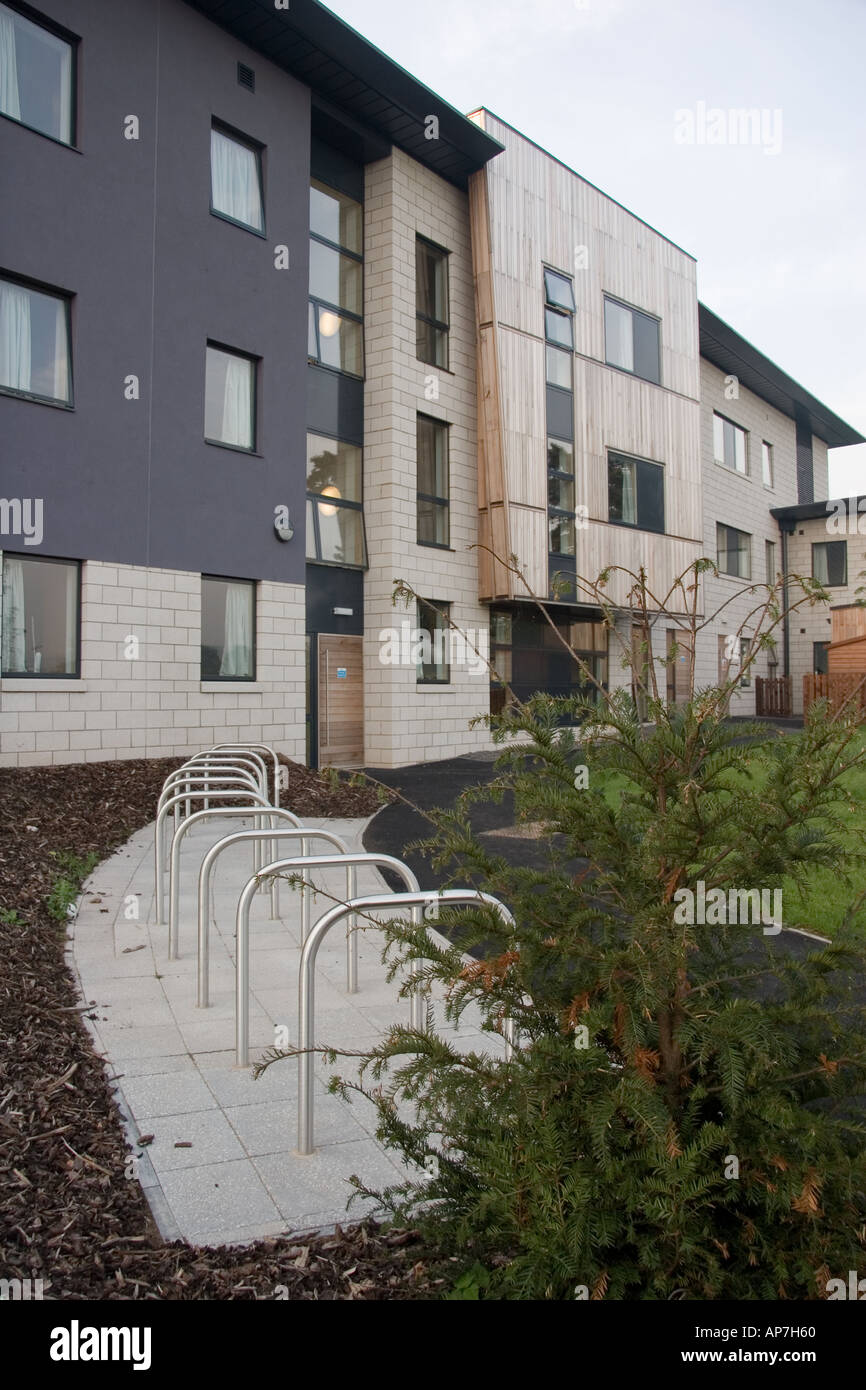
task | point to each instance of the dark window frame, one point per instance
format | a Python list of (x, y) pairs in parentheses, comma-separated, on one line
[(235, 579), (723, 526), (347, 503), (554, 512), (843, 550), (435, 605), (66, 296), (444, 503), (635, 313), (640, 464), (254, 451), (258, 149), (442, 326), (337, 309), (74, 40), (39, 675)]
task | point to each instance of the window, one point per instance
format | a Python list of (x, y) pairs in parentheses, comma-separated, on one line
[(336, 328), (729, 444), (433, 628), (632, 340), (830, 563), (236, 180), (431, 303), (560, 497), (228, 629), (40, 616), (559, 311), (746, 677), (335, 527), (230, 399), (770, 561), (434, 519), (34, 343), (767, 463), (820, 663), (636, 492), (36, 76), (734, 552)]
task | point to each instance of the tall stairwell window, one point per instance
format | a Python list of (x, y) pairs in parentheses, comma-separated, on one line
[(336, 326)]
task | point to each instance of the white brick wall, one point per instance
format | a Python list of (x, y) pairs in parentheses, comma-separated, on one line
[(157, 706), (406, 722), (744, 503)]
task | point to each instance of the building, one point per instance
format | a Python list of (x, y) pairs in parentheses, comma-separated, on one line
[(302, 330)]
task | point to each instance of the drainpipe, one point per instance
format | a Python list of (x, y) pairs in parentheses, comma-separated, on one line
[(786, 622)]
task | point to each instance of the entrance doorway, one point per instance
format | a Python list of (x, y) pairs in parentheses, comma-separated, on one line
[(340, 703)]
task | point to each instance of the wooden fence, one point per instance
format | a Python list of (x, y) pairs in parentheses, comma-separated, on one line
[(773, 696), (835, 688)]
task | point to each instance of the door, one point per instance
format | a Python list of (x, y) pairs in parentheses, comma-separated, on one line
[(341, 701)]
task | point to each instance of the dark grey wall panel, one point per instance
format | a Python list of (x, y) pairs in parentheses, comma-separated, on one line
[(125, 226), (330, 587), (560, 413), (335, 405), (805, 461)]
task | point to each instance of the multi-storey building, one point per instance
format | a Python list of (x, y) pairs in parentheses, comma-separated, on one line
[(279, 328)]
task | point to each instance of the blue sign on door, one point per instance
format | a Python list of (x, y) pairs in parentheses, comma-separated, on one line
[(341, 673)]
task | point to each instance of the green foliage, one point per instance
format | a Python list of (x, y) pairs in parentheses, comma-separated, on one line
[(66, 887), (683, 1113)]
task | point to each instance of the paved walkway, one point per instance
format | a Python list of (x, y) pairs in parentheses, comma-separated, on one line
[(221, 1167)]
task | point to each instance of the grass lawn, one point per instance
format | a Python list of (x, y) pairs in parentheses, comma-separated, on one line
[(817, 903)]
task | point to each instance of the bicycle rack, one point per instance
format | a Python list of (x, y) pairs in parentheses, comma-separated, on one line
[(306, 981), (305, 862), (256, 799), (299, 831), (254, 748), (206, 763)]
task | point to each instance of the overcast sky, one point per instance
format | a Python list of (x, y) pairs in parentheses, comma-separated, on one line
[(778, 227)]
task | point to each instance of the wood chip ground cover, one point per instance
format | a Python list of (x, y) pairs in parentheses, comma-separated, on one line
[(68, 1214)]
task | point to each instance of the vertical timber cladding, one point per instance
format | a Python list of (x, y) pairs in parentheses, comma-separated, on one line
[(341, 701), (494, 538)]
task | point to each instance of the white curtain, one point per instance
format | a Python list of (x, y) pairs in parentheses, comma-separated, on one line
[(65, 53), (237, 403), (10, 103), (71, 618), (15, 337), (629, 507), (820, 568), (13, 622), (61, 354), (238, 644), (235, 187)]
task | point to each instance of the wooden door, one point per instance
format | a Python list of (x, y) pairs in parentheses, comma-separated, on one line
[(341, 701), (678, 690)]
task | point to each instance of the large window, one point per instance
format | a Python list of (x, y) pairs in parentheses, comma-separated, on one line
[(434, 508), (830, 563), (729, 444), (34, 343), (36, 76), (432, 314), (559, 308), (335, 514), (230, 399), (631, 340), (734, 551), (433, 626), (336, 329), (40, 623), (636, 492), (770, 561), (228, 629), (560, 497), (236, 180)]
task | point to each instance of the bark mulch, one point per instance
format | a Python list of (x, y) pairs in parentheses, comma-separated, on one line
[(68, 1213)]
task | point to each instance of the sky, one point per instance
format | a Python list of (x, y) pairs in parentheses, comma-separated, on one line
[(622, 91)]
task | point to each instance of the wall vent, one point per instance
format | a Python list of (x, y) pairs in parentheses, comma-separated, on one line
[(246, 77)]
